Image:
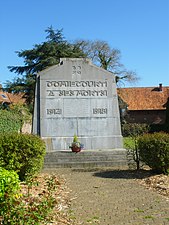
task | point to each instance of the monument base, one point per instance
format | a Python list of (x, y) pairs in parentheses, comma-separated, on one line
[(93, 143), (116, 158)]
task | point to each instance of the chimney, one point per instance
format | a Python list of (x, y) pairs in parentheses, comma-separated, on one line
[(160, 87)]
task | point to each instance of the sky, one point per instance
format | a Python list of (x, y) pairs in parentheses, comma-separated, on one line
[(138, 28)]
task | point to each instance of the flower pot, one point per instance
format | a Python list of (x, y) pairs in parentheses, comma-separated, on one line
[(76, 149)]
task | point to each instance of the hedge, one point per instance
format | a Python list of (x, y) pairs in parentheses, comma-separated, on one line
[(154, 151), (23, 153)]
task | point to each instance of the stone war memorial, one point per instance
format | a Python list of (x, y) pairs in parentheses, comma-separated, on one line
[(77, 98)]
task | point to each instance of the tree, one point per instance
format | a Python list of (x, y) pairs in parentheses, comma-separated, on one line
[(39, 58), (26, 85), (46, 54), (108, 58)]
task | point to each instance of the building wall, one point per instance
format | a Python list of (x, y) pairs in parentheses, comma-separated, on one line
[(146, 116)]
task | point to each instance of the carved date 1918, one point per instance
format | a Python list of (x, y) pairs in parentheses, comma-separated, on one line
[(100, 111)]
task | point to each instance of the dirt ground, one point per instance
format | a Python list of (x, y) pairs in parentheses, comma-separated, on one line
[(114, 197)]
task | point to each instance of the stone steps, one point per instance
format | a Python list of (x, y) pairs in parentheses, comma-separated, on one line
[(86, 158)]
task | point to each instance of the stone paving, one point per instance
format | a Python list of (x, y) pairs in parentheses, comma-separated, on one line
[(113, 197)]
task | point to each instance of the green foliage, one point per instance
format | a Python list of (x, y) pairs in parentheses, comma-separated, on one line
[(47, 54), (9, 184), (76, 146), (128, 143), (23, 153), (26, 85), (23, 111), (134, 129), (10, 121), (75, 138), (154, 151), (29, 209), (39, 58)]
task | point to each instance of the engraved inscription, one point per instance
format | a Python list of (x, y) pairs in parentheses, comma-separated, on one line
[(53, 111), (77, 88), (51, 93), (57, 84), (100, 111), (83, 93), (76, 70)]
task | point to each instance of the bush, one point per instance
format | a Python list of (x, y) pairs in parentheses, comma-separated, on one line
[(134, 129), (33, 205), (9, 184), (128, 143), (154, 151), (131, 132), (10, 121), (12, 118), (23, 153)]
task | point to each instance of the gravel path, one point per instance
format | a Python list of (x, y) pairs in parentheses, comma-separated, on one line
[(113, 197)]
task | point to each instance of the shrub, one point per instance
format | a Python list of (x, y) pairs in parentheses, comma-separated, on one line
[(134, 129), (9, 184), (23, 153), (32, 207), (10, 121), (12, 118), (128, 143), (154, 151)]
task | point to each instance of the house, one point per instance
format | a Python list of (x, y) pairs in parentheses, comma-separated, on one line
[(4, 98), (145, 104), (10, 98)]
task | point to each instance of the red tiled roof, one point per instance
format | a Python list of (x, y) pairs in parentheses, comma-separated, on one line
[(16, 98), (11, 98), (4, 97), (145, 98)]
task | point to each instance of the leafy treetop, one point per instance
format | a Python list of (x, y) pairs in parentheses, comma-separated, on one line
[(46, 54)]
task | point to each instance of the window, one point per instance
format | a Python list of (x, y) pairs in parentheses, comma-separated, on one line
[(3, 96)]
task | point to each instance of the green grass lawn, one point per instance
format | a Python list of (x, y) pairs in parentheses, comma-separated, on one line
[(128, 143)]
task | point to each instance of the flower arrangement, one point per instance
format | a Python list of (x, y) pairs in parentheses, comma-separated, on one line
[(76, 146)]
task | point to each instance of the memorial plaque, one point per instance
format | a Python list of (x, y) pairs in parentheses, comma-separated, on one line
[(77, 97), (76, 108)]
